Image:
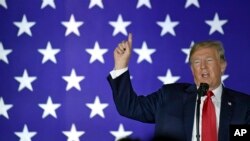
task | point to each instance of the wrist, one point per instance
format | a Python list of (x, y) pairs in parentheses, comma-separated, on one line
[(118, 67)]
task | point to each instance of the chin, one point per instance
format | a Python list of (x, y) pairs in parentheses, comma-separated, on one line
[(205, 81)]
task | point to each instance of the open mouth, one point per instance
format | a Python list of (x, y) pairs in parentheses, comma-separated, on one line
[(205, 75)]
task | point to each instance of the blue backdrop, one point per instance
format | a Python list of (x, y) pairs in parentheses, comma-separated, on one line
[(55, 56)]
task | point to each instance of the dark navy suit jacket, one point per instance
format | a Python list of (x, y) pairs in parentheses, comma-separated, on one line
[(172, 107)]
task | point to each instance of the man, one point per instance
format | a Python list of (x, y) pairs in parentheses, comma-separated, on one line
[(173, 107)]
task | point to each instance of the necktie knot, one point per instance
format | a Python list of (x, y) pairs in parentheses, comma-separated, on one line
[(209, 94)]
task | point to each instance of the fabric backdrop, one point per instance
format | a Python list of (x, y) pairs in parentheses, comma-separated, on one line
[(55, 56)]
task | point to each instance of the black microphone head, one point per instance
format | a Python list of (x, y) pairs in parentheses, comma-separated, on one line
[(203, 89)]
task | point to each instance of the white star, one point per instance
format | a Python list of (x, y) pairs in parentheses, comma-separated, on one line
[(4, 108), (192, 2), (167, 26), (131, 77), (144, 53), (224, 77), (49, 53), (216, 24), (73, 80), (25, 81), (120, 25), (73, 134), (121, 133), (50, 3), (25, 135), (24, 26), (96, 53), (4, 53), (72, 26), (4, 4), (97, 108), (187, 51), (169, 78), (95, 2), (49, 108), (140, 3)]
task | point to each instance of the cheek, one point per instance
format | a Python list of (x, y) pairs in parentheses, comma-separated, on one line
[(196, 72), (215, 71)]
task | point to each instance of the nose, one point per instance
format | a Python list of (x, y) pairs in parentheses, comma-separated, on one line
[(203, 64)]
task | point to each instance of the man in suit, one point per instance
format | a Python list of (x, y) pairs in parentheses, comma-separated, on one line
[(173, 107)]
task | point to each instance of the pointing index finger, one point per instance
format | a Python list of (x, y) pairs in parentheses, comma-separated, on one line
[(130, 39)]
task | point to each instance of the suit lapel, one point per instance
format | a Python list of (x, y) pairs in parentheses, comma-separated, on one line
[(225, 115), (189, 109)]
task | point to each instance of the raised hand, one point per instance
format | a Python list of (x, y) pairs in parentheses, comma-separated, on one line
[(122, 53)]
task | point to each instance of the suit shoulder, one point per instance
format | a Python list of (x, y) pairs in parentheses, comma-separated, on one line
[(238, 94), (178, 87)]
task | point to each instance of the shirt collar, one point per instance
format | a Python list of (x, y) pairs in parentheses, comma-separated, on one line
[(218, 92)]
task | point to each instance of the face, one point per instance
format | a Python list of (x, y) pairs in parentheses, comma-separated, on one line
[(207, 67)]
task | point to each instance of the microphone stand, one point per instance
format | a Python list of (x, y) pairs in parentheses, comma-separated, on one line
[(198, 118), (201, 92)]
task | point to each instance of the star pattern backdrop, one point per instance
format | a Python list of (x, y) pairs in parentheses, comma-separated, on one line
[(55, 56)]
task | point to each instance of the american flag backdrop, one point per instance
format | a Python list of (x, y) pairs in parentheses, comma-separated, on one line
[(55, 56)]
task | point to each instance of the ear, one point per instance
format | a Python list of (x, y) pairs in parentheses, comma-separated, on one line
[(223, 66), (192, 69)]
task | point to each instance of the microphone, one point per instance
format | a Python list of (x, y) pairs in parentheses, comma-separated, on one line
[(202, 90)]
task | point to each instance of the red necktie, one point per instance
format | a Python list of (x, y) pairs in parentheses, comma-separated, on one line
[(209, 130)]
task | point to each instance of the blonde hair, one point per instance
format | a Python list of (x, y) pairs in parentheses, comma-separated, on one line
[(209, 44)]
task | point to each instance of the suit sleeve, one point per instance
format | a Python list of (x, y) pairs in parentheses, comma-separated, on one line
[(128, 104)]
